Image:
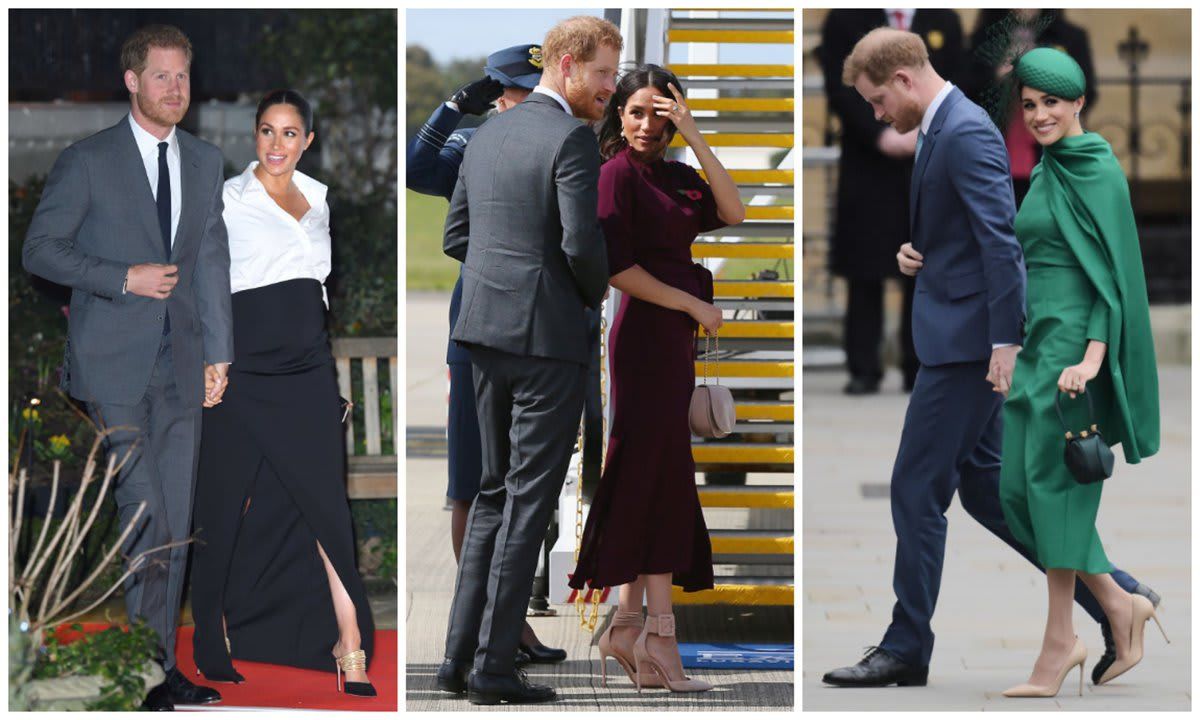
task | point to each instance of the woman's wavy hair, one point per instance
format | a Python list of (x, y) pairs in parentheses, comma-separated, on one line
[(612, 141)]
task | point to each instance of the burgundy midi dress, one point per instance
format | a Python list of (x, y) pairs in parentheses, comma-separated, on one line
[(646, 518)]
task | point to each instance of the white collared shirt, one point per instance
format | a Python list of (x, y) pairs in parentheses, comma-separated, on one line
[(266, 244), (561, 100), (147, 146), (931, 111)]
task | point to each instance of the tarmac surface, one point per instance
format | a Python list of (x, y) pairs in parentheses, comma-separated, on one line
[(992, 607), (430, 571)]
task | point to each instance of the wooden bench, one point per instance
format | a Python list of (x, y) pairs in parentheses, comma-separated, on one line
[(371, 474)]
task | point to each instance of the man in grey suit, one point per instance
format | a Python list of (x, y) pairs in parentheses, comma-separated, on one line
[(130, 220), (523, 221)]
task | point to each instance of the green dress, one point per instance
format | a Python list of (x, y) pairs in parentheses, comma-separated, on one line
[(1084, 282)]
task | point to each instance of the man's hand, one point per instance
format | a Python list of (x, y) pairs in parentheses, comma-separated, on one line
[(893, 144), (910, 260), (476, 98), (152, 280), (216, 379), (1000, 368)]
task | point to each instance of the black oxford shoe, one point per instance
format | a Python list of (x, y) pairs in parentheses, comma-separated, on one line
[(452, 676), (861, 386), (878, 669), (158, 699), (183, 692), (539, 653), (515, 689)]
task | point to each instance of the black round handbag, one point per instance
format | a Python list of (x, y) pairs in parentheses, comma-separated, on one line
[(1088, 457)]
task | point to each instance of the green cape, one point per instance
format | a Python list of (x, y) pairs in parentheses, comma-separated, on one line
[(1089, 199)]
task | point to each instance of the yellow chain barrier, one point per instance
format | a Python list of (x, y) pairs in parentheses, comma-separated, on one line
[(588, 622)]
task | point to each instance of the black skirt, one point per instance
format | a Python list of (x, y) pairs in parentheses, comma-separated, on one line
[(271, 485)]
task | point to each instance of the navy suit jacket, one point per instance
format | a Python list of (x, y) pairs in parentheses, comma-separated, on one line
[(970, 292)]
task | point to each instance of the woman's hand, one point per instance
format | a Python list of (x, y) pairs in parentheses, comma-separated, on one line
[(708, 316), (678, 113), (1074, 379)]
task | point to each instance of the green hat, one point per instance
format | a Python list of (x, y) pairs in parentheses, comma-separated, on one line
[(1051, 71)]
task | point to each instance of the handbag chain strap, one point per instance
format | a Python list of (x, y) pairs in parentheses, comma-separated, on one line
[(1063, 420), (715, 338)]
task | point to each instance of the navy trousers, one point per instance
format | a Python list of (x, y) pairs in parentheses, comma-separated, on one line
[(951, 441)]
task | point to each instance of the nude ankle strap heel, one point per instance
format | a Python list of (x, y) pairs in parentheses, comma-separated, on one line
[(662, 626), (622, 618)]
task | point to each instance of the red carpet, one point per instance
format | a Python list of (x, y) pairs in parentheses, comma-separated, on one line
[(278, 686)]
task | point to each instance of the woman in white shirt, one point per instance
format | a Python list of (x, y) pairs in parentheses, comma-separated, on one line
[(274, 577)]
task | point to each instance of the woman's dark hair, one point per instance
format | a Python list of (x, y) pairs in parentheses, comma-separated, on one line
[(612, 141), (286, 97)]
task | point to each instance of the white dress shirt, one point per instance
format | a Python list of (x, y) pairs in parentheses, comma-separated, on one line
[(561, 100), (267, 245), (148, 148)]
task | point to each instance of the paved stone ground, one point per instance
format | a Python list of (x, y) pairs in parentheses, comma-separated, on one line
[(430, 583), (992, 604)]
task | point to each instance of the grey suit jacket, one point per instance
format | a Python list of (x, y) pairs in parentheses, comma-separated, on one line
[(523, 220), (96, 218)]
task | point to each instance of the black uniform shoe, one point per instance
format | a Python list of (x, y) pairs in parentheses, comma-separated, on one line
[(878, 669), (522, 658), (488, 689), (183, 692), (1110, 648), (861, 386), (539, 653), (159, 698), (452, 676)]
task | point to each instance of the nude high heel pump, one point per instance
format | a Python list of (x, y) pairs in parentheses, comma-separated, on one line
[(1078, 657), (1143, 610), (623, 618), (662, 626)]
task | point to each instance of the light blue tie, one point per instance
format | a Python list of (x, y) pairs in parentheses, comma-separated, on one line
[(920, 142)]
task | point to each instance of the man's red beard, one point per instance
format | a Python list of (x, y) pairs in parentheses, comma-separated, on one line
[(160, 113)]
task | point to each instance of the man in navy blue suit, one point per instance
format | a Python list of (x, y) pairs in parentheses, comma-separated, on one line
[(434, 157), (968, 324)]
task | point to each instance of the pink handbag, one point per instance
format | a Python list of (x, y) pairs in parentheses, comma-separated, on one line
[(711, 413)]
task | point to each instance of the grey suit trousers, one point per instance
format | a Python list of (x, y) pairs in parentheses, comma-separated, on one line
[(164, 436), (529, 410)]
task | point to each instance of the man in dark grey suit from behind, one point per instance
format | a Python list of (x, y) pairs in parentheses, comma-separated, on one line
[(523, 221), (130, 220)]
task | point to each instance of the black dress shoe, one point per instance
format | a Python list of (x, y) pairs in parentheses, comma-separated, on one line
[(452, 676), (1110, 648), (488, 689), (183, 692), (861, 386), (539, 653), (159, 698), (522, 658), (878, 669)]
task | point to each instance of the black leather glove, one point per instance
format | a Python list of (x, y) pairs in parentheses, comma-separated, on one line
[(476, 98)]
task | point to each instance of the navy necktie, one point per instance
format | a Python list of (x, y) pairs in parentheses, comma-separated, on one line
[(163, 200)]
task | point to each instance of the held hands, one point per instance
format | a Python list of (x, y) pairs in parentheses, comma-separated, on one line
[(709, 316), (678, 113), (152, 280), (1074, 379), (476, 97), (1000, 368), (910, 260), (216, 379)]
